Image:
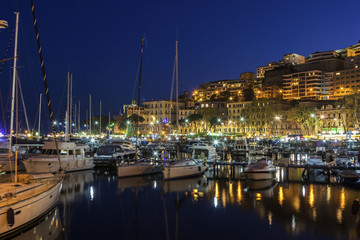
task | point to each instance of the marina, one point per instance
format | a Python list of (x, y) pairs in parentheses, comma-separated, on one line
[(205, 144), (148, 207)]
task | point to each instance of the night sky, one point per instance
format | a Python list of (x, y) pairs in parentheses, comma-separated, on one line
[(99, 42)]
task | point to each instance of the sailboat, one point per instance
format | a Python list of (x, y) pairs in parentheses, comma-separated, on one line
[(27, 197), (186, 167), (137, 168)]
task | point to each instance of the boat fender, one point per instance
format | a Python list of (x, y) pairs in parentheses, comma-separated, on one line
[(10, 216), (199, 169)]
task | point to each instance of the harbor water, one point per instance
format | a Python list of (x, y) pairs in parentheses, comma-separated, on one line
[(217, 205)]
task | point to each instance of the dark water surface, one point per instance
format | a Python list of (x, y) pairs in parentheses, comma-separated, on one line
[(98, 205)]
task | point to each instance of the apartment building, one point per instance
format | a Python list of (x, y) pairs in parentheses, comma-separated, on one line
[(316, 85)]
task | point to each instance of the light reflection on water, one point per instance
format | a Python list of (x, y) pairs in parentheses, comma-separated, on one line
[(206, 207)]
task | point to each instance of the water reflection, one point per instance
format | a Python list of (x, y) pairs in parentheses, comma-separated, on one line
[(138, 182), (197, 185), (205, 206), (47, 228)]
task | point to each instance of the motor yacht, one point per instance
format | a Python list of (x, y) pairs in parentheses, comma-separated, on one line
[(136, 168), (73, 157), (183, 168), (260, 170)]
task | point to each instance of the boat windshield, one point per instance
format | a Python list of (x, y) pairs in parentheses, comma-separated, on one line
[(49, 151), (201, 153)]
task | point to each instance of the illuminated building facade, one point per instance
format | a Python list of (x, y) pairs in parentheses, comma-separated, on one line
[(293, 59), (260, 71), (160, 111), (223, 89), (346, 82), (316, 85)]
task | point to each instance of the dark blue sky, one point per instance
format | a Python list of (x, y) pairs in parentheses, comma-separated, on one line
[(99, 42)]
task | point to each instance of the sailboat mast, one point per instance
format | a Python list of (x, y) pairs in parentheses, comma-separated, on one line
[(39, 114), (177, 87), (139, 89), (100, 117), (14, 80), (70, 110), (79, 118), (67, 105), (90, 112)]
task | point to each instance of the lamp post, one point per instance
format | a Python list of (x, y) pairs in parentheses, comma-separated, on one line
[(242, 120), (278, 118), (96, 123)]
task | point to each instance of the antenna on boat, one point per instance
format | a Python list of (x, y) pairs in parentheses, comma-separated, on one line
[(45, 83)]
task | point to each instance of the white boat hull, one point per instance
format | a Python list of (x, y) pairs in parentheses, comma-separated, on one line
[(28, 210), (263, 174), (52, 165), (137, 170), (172, 172)]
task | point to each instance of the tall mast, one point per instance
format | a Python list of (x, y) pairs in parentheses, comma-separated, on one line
[(39, 114), (139, 89), (14, 80), (100, 117), (70, 110), (90, 112), (177, 87), (67, 105), (79, 117)]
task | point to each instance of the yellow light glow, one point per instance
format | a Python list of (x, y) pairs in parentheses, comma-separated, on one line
[(231, 190), (223, 196), (281, 196), (239, 195), (311, 196), (342, 198), (217, 194), (328, 194)]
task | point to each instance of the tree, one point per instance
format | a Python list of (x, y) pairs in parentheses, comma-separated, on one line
[(194, 118), (214, 121), (207, 114), (135, 118), (306, 116), (249, 94), (350, 112)]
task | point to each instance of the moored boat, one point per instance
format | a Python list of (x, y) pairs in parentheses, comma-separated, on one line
[(27, 200), (315, 160), (260, 170), (138, 168), (350, 178), (183, 168), (73, 157)]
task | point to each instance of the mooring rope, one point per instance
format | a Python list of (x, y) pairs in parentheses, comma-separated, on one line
[(45, 82)]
